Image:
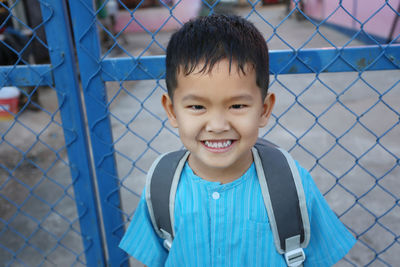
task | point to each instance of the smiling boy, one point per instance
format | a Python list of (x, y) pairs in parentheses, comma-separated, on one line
[(217, 81), (218, 115)]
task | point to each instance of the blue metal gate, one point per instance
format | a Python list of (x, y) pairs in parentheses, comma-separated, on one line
[(348, 96), (39, 224)]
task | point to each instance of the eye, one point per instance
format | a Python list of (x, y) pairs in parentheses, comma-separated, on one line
[(196, 107), (238, 106)]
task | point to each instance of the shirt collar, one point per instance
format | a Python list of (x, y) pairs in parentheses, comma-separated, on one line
[(189, 174)]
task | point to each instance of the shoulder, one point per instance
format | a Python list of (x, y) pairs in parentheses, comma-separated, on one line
[(309, 186), (140, 228), (327, 231)]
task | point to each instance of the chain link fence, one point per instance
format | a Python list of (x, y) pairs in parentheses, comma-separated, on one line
[(44, 221), (341, 126), (337, 84)]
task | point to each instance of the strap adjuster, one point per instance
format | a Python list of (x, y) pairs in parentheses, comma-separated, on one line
[(167, 244), (167, 239), (295, 257)]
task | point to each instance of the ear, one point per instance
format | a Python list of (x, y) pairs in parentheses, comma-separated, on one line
[(169, 109), (268, 105)]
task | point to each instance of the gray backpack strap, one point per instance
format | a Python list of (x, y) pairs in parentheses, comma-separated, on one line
[(161, 185), (284, 200), (281, 187)]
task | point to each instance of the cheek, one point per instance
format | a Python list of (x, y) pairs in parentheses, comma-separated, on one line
[(247, 126), (188, 127)]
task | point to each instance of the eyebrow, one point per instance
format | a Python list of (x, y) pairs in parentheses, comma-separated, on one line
[(193, 97), (243, 97)]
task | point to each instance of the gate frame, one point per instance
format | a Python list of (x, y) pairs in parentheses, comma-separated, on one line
[(88, 51), (61, 51)]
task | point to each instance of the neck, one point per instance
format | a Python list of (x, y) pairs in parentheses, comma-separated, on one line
[(221, 175)]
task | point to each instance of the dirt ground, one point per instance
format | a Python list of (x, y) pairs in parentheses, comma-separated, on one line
[(30, 144)]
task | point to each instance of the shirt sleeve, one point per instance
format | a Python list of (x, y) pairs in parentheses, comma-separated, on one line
[(330, 241), (141, 241)]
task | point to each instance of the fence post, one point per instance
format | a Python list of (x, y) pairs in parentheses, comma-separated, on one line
[(59, 38), (87, 44)]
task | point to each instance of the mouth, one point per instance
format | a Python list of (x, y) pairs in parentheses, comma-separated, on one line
[(220, 145)]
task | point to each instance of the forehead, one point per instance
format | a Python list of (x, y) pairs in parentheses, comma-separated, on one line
[(221, 65), (223, 69), (223, 78)]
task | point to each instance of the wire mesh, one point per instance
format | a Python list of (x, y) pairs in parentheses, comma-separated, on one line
[(39, 219), (340, 126)]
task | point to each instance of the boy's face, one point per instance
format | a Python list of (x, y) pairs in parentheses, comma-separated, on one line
[(218, 115)]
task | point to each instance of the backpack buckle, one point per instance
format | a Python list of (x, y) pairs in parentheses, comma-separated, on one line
[(295, 257), (167, 239), (167, 244)]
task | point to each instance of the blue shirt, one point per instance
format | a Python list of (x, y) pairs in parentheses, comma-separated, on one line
[(227, 225)]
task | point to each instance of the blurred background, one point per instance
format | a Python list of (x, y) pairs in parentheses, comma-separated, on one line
[(81, 120)]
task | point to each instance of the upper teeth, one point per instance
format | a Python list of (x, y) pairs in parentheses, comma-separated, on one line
[(217, 144)]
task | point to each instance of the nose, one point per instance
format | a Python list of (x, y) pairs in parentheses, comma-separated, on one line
[(217, 123)]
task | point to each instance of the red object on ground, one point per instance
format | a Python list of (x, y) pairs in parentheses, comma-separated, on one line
[(9, 97)]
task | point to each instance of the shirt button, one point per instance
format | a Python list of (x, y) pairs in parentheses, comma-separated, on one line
[(215, 195)]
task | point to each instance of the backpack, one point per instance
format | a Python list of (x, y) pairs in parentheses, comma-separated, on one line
[(281, 188)]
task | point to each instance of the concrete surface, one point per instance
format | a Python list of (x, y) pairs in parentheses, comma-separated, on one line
[(151, 19), (366, 205)]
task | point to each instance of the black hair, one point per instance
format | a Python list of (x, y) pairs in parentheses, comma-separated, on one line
[(208, 40)]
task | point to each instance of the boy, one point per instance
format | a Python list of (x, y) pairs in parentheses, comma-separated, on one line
[(217, 80)]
